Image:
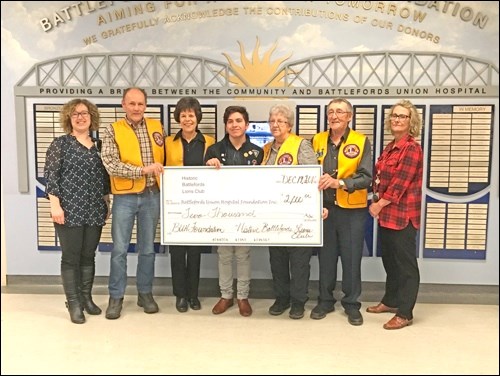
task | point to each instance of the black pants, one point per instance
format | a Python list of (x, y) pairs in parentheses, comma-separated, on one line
[(78, 245), (400, 264), (290, 267), (185, 265), (343, 237)]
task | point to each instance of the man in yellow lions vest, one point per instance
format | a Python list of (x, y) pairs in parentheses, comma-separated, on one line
[(347, 173), (134, 154)]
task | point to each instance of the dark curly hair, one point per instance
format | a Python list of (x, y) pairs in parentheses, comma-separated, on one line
[(69, 108)]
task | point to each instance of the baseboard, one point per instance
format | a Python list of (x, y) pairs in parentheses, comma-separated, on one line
[(263, 289)]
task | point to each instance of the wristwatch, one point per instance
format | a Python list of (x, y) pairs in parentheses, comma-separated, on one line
[(341, 184)]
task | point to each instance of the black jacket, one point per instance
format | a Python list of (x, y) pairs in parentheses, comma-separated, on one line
[(224, 151)]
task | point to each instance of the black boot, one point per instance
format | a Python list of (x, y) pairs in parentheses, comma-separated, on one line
[(86, 282), (70, 284)]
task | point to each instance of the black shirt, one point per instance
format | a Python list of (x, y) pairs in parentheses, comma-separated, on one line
[(76, 175), (192, 154)]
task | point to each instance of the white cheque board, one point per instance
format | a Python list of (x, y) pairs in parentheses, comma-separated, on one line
[(242, 205)]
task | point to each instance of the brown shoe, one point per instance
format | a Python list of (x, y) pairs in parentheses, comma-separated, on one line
[(222, 306), (381, 308), (244, 306), (397, 323)]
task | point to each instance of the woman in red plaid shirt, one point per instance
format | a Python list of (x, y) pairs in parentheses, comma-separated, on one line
[(397, 195)]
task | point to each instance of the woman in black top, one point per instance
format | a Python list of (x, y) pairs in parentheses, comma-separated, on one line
[(78, 188)]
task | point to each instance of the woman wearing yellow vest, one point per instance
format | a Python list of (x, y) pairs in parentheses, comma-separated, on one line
[(347, 172), (290, 266), (187, 148)]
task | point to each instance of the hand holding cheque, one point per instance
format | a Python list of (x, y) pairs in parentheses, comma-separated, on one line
[(261, 205)]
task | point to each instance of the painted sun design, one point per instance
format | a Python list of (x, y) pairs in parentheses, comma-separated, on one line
[(257, 72)]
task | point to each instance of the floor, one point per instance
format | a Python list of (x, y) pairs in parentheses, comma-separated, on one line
[(38, 338)]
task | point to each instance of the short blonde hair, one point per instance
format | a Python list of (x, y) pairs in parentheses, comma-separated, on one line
[(415, 118)]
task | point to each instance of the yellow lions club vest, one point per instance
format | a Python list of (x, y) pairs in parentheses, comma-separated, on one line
[(349, 159), (130, 152)]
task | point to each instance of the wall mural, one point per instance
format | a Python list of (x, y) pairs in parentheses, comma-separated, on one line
[(437, 54)]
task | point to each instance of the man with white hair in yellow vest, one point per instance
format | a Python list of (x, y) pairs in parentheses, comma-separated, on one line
[(347, 173)]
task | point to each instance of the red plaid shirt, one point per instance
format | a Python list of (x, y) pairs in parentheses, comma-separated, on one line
[(398, 179)]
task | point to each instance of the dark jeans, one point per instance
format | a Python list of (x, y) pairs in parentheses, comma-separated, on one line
[(78, 245), (290, 267), (400, 264), (185, 265), (343, 236)]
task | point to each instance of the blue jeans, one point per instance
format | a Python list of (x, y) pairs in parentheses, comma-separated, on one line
[(126, 208)]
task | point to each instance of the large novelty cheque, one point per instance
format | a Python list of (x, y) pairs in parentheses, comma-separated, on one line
[(237, 205)]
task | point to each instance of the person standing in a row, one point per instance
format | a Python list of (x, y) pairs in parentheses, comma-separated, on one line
[(77, 186), (347, 173), (397, 199), (134, 154), (187, 148), (235, 149), (290, 266)]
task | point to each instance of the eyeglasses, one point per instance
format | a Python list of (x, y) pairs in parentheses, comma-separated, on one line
[(84, 114), (338, 112), (399, 117), (278, 122)]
